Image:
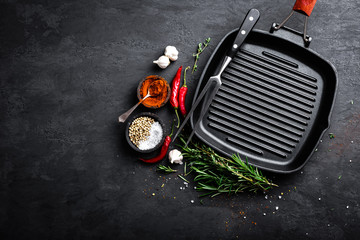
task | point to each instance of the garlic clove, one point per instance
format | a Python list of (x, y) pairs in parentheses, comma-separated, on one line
[(175, 156), (172, 53), (162, 62)]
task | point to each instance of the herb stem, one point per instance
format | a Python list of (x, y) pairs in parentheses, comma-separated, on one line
[(183, 178), (199, 51), (165, 169)]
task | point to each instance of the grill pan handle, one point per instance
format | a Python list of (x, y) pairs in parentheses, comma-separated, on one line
[(304, 6), (246, 26)]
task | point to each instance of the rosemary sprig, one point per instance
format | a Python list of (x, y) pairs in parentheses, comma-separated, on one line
[(183, 178), (216, 174), (199, 51), (186, 172), (165, 169)]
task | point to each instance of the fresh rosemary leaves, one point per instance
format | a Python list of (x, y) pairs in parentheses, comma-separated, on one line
[(199, 51), (215, 174), (165, 169)]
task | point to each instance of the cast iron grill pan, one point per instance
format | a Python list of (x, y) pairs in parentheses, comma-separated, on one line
[(274, 103)]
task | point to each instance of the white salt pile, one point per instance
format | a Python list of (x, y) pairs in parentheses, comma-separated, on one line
[(156, 134)]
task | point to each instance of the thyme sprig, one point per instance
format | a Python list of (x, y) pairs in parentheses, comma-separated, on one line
[(199, 51), (216, 174), (165, 169)]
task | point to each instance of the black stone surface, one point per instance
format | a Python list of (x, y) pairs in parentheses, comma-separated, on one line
[(69, 68)]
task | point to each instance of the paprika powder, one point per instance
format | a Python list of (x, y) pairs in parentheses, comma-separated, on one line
[(161, 88)]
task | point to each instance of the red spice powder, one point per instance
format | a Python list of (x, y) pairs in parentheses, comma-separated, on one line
[(163, 90)]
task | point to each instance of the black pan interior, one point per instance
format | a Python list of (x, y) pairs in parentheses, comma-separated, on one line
[(274, 103)]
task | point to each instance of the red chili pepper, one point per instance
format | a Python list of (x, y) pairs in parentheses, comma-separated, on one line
[(163, 150), (162, 154), (175, 87), (182, 94)]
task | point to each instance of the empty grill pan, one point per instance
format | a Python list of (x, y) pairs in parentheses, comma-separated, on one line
[(275, 100)]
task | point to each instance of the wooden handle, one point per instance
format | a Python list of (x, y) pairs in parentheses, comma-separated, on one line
[(304, 6)]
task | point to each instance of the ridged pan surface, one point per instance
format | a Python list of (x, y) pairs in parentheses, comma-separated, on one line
[(274, 103)]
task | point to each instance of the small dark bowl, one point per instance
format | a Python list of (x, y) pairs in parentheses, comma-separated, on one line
[(154, 78), (144, 114)]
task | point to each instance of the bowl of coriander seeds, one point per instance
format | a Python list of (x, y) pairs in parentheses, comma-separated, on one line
[(145, 132)]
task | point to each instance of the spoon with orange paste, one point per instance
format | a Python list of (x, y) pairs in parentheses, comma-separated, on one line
[(155, 88)]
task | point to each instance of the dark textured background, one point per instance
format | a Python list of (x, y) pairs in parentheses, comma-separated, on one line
[(69, 68)]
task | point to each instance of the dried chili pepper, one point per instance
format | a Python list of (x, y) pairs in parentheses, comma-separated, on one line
[(175, 87), (182, 94), (163, 150)]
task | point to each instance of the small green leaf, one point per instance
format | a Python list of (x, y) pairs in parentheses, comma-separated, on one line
[(183, 178), (331, 135), (339, 177)]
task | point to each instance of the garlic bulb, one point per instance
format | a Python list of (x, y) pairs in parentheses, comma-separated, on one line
[(172, 53), (175, 156), (162, 62)]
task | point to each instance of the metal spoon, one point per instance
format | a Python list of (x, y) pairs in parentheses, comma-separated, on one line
[(152, 92)]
